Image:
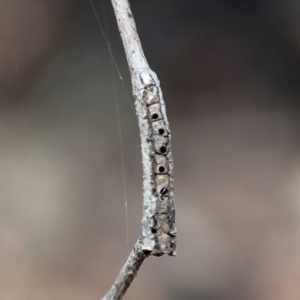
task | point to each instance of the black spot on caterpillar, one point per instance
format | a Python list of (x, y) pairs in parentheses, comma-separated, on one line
[(163, 191), (161, 169)]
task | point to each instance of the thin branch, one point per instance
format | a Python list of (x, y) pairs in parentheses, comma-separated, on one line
[(158, 235), (127, 274)]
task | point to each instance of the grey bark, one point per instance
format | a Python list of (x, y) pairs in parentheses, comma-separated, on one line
[(127, 274), (158, 235)]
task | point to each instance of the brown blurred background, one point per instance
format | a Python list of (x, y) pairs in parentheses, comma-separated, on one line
[(230, 73)]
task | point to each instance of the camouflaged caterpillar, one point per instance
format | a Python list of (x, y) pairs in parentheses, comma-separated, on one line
[(158, 235), (159, 202)]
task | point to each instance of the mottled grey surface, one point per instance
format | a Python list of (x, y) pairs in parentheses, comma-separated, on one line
[(230, 76)]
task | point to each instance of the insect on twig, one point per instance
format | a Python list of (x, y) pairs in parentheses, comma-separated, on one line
[(158, 235)]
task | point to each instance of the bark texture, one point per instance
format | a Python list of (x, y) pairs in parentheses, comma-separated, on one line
[(158, 221), (158, 235)]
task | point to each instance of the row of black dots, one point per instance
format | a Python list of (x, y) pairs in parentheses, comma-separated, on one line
[(161, 144), (160, 141), (160, 135)]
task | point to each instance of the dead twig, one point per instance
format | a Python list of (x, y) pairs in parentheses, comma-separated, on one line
[(158, 235)]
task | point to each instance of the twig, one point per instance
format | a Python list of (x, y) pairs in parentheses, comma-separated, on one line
[(127, 274), (158, 235)]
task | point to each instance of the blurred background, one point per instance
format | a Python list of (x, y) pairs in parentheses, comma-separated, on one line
[(230, 73)]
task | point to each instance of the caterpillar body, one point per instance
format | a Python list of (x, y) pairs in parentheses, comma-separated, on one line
[(158, 223)]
